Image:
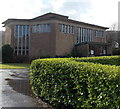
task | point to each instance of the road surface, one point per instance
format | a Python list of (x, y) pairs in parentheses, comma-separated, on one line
[(16, 91)]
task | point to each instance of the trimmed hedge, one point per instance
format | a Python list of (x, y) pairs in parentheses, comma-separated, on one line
[(78, 85), (7, 53), (109, 60)]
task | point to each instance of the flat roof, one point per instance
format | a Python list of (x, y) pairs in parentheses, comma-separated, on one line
[(93, 43)]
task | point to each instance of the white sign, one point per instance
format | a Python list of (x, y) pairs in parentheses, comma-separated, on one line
[(92, 52)]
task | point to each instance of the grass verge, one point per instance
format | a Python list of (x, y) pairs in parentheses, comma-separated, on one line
[(14, 66)]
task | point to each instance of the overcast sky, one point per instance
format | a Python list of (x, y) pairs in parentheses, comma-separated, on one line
[(99, 12)]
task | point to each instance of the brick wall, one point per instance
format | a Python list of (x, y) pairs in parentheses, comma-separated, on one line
[(43, 44), (64, 42), (82, 50), (8, 35)]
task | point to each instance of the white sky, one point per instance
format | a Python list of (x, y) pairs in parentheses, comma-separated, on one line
[(99, 12)]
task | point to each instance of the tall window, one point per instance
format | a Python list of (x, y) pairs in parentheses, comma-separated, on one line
[(21, 39), (84, 35), (40, 28)]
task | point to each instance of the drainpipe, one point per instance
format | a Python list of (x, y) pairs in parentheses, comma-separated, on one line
[(87, 50)]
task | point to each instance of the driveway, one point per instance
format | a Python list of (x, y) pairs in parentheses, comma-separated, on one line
[(16, 91)]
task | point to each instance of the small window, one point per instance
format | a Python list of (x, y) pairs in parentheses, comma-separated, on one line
[(60, 27), (99, 33), (72, 29), (63, 28), (34, 29), (48, 27), (66, 28)]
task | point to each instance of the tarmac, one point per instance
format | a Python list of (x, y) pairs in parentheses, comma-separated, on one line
[(16, 91)]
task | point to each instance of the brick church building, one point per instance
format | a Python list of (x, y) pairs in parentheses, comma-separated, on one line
[(55, 35)]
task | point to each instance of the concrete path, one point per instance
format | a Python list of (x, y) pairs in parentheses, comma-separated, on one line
[(16, 91)]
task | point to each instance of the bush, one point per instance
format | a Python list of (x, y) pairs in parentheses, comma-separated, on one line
[(0, 54), (109, 60), (78, 85), (116, 51), (7, 53), (21, 59)]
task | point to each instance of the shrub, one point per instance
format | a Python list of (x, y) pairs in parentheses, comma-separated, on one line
[(116, 51), (0, 54), (21, 59), (109, 60), (78, 85), (7, 53)]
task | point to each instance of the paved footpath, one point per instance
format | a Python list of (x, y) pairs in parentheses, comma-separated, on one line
[(16, 91)]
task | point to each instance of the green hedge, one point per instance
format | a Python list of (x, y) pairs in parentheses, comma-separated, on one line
[(109, 60), (77, 85), (7, 53)]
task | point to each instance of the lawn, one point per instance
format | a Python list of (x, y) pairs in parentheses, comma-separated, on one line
[(14, 66)]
